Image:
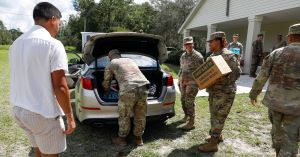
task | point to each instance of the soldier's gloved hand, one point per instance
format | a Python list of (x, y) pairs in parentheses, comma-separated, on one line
[(253, 102), (220, 79)]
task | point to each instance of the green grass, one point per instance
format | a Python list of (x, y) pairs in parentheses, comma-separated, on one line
[(171, 69), (4, 47), (12, 138), (246, 132), (70, 48)]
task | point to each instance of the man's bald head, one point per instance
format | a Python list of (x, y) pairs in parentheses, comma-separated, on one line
[(114, 54)]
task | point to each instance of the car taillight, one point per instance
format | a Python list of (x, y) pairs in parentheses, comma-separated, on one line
[(86, 83), (170, 81)]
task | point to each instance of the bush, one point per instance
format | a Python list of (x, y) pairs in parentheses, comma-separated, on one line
[(174, 57)]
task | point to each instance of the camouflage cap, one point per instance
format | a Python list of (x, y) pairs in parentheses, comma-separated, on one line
[(188, 40), (294, 29), (216, 35)]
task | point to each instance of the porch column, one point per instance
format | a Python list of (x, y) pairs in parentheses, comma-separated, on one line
[(254, 26), (186, 33), (210, 29)]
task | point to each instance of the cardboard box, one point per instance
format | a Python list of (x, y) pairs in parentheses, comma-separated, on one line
[(208, 73)]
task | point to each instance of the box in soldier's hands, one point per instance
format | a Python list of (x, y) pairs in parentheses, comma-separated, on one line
[(213, 69)]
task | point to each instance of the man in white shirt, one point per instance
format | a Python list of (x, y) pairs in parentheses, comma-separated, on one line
[(38, 90)]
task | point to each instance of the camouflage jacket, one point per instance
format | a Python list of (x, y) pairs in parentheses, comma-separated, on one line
[(188, 64), (282, 67), (237, 45), (126, 72), (257, 48), (227, 85)]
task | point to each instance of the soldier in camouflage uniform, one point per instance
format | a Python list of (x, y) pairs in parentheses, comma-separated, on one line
[(221, 94), (237, 45), (282, 98), (257, 53), (189, 62), (133, 95)]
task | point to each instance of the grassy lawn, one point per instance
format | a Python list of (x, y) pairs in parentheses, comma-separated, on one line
[(246, 131), (12, 139), (172, 69)]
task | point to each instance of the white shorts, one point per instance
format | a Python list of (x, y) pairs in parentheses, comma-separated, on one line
[(43, 133)]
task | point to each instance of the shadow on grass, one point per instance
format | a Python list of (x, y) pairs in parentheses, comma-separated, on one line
[(89, 140), (192, 151)]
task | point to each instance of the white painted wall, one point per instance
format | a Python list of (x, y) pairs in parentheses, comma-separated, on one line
[(272, 30), (214, 11)]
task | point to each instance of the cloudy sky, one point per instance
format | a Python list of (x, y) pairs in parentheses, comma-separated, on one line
[(18, 14)]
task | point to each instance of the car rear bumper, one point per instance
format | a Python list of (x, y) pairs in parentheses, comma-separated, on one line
[(95, 111), (103, 121)]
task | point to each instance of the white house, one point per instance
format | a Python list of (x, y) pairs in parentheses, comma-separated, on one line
[(245, 17)]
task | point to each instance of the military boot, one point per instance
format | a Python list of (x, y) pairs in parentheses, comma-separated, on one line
[(190, 125), (221, 139), (120, 141), (139, 141), (211, 146), (184, 119)]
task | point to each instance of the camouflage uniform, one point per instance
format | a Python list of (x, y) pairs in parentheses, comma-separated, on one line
[(239, 46), (188, 86), (257, 52), (133, 94), (222, 94), (281, 67)]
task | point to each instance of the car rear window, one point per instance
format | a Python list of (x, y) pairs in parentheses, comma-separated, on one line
[(141, 60)]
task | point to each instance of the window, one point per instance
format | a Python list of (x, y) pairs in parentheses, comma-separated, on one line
[(141, 60)]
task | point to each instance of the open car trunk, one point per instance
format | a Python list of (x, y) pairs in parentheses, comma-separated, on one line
[(146, 44), (146, 50), (155, 78)]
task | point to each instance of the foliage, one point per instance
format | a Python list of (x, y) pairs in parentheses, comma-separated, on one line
[(171, 15), (162, 17), (174, 57), (8, 36), (171, 69)]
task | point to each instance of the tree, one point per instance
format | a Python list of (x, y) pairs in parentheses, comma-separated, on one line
[(2, 27), (171, 15), (15, 33), (163, 17)]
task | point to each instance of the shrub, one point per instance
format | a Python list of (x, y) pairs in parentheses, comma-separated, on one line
[(174, 57)]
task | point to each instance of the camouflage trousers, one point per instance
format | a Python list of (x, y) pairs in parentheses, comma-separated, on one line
[(254, 64), (188, 95), (285, 133), (134, 101), (219, 107)]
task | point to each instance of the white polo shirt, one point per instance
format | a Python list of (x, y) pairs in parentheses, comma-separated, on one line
[(32, 58)]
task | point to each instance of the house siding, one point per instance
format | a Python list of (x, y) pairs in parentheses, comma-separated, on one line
[(214, 11)]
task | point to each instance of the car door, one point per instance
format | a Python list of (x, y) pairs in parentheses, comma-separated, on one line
[(75, 64)]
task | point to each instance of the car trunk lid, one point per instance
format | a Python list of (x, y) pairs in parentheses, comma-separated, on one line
[(147, 44)]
